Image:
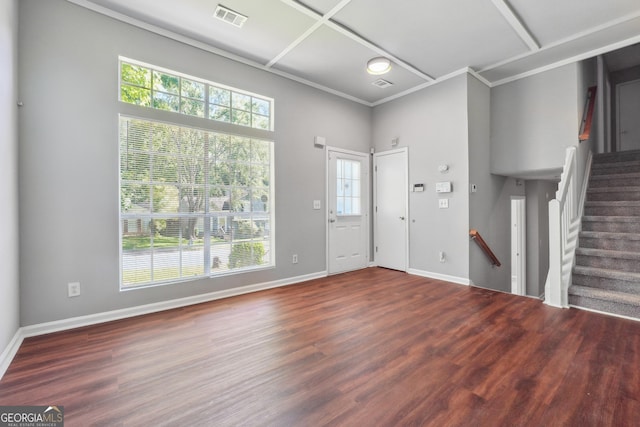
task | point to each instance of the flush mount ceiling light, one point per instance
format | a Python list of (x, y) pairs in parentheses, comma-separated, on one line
[(227, 15), (379, 65)]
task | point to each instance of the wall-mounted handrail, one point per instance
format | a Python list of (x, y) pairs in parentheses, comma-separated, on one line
[(485, 247)]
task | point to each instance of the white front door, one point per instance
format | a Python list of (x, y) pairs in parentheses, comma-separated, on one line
[(348, 210), (629, 116), (390, 209)]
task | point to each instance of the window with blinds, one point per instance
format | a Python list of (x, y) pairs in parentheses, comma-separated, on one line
[(193, 203)]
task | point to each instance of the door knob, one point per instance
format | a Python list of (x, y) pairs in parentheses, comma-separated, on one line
[(332, 220), (402, 218)]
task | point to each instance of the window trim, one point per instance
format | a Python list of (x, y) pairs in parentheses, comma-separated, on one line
[(206, 82), (139, 112)]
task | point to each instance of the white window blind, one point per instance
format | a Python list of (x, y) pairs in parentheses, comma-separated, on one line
[(193, 203)]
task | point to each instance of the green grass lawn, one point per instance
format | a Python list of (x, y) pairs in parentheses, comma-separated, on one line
[(144, 242), (138, 277)]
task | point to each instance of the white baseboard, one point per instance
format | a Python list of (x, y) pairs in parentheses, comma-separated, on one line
[(92, 319), (445, 277), (108, 316), (10, 352)]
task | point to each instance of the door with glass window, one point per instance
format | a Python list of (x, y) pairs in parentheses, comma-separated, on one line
[(348, 210)]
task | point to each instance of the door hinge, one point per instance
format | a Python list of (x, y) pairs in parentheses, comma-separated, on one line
[(376, 209), (376, 249), (376, 168)]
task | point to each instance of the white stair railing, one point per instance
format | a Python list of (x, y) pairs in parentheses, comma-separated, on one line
[(564, 223)]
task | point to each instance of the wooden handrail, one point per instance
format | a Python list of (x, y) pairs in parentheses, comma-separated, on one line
[(485, 248), (587, 115)]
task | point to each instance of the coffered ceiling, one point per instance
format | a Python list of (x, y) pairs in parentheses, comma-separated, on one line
[(327, 43)]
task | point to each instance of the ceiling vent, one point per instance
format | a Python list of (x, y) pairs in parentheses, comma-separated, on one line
[(229, 16), (382, 83)]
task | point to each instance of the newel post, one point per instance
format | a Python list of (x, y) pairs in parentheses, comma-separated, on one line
[(553, 295)]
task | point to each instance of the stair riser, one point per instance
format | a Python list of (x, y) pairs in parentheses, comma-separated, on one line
[(605, 306), (614, 182), (604, 196), (600, 159), (612, 210), (611, 227), (610, 244), (606, 283), (614, 170), (619, 264)]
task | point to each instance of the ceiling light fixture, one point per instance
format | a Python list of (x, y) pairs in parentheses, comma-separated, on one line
[(379, 65)]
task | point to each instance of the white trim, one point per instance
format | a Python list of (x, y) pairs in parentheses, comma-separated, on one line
[(571, 60), (432, 83), (208, 48), (108, 316), (10, 351), (621, 316), (516, 24), (312, 29), (569, 39), (438, 276)]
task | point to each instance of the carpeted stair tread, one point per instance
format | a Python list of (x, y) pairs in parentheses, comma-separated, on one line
[(621, 163), (613, 189), (613, 203), (608, 274), (629, 175), (608, 253), (605, 295), (616, 156), (609, 235), (610, 218)]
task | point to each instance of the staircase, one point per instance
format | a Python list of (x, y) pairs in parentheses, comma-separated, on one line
[(606, 276)]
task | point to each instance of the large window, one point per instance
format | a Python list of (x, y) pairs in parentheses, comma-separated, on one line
[(148, 86), (193, 202)]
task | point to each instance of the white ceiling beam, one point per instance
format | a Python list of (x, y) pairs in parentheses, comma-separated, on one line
[(326, 20), (321, 21), (516, 24)]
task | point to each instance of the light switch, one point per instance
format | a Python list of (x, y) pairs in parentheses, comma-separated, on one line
[(316, 204), (443, 203)]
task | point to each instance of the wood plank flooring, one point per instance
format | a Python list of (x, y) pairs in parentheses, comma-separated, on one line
[(369, 348)]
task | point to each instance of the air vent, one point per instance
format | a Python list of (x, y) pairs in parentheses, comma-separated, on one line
[(229, 16), (382, 83)]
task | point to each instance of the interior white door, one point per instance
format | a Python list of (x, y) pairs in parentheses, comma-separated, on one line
[(348, 210), (518, 246), (629, 116), (391, 209)]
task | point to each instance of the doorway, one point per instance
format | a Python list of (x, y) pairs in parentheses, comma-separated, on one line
[(391, 186), (348, 210), (518, 246), (628, 123)]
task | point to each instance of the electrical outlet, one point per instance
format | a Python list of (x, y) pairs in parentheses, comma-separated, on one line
[(443, 257), (294, 259), (443, 203), (73, 289), (316, 204)]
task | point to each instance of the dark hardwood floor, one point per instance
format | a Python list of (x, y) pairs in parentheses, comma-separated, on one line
[(369, 348)]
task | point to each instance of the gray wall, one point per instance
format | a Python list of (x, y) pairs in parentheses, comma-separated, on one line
[(9, 289), (538, 194), (533, 121), (68, 177), (489, 207), (432, 123)]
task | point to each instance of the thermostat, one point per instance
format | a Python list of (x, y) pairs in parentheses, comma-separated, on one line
[(443, 187)]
